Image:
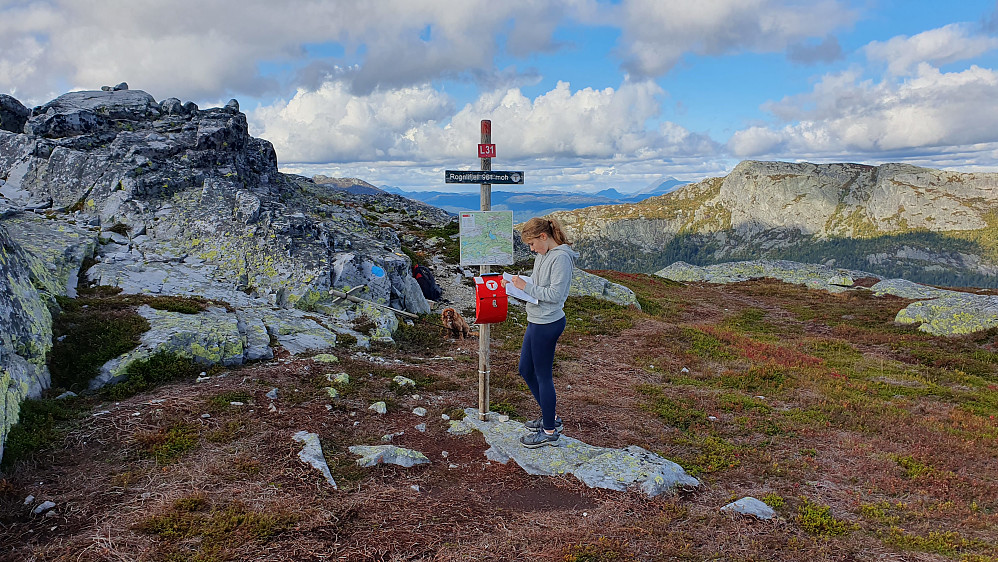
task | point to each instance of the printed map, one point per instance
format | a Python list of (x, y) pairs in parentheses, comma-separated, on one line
[(486, 237)]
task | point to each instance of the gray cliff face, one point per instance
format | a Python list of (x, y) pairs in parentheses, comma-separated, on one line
[(897, 219), (170, 199)]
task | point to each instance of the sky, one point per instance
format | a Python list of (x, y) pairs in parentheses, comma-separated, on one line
[(583, 95)]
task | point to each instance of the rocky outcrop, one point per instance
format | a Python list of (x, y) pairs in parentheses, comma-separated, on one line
[(939, 312), (170, 199), (38, 260), (821, 277), (890, 219)]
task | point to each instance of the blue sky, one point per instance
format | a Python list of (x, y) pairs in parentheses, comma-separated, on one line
[(584, 95)]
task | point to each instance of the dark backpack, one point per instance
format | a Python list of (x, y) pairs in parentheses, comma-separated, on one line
[(427, 282)]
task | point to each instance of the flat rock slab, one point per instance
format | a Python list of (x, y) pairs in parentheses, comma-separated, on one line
[(373, 455), (598, 467), (311, 454)]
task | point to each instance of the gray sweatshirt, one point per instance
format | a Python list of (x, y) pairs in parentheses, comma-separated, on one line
[(552, 277)]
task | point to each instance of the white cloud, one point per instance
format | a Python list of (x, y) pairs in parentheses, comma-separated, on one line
[(332, 125), (200, 50), (846, 115), (948, 44), (419, 123), (657, 34)]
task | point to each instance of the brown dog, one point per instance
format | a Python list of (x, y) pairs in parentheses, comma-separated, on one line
[(457, 327)]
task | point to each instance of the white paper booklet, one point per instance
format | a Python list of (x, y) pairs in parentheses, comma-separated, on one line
[(512, 291)]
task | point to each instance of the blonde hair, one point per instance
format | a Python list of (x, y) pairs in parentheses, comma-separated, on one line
[(536, 226)]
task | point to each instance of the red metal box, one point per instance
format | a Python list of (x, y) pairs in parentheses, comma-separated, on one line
[(491, 304)]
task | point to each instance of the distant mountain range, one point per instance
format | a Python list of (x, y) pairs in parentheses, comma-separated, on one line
[(896, 220), (523, 204)]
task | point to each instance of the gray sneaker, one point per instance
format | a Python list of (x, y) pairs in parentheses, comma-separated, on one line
[(538, 424), (536, 439)]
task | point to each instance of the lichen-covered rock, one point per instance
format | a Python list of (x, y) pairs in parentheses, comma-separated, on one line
[(373, 455), (939, 311), (25, 329), (952, 314), (813, 276), (585, 284), (614, 469)]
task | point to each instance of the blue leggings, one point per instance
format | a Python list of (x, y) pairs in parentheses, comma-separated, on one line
[(537, 365)]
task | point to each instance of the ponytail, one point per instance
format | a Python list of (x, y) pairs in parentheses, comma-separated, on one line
[(536, 226)]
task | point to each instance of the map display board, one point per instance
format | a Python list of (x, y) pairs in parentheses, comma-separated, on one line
[(486, 237)]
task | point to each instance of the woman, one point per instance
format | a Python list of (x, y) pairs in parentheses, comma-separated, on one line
[(550, 281)]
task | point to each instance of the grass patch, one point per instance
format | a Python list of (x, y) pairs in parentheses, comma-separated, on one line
[(420, 337), (87, 334), (673, 412), (169, 443), (946, 543), (714, 454), (223, 400), (704, 344), (41, 424), (816, 518), (591, 316), (603, 550), (145, 374), (194, 530)]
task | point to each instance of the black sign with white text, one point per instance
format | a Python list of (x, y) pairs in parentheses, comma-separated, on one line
[(490, 177)]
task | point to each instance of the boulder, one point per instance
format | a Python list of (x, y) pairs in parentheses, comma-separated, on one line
[(585, 284), (13, 115), (750, 506)]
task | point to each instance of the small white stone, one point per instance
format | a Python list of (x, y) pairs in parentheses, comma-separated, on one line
[(419, 411), (585, 514), (236, 404), (760, 397), (712, 418), (416, 397), (379, 407), (444, 454), (452, 465), (202, 379), (28, 500), (444, 417), (272, 408), (205, 416), (203, 373), (356, 423), (329, 407), (684, 370), (421, 428), (414, 487), (387, 438), (134, 414), (272, 394), (568, 387), (503, 418)]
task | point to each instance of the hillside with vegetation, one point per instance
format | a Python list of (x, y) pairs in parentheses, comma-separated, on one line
[(895, 220), (869, 439)]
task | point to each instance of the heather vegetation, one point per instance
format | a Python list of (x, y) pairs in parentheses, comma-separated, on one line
[(870, 440)]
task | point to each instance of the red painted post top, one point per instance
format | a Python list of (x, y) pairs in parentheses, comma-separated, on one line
[(486, 127)]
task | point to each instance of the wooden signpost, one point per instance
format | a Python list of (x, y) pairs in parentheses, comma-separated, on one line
[(486, 177)]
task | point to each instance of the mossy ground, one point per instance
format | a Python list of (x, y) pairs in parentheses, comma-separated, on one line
[(869, 439)]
